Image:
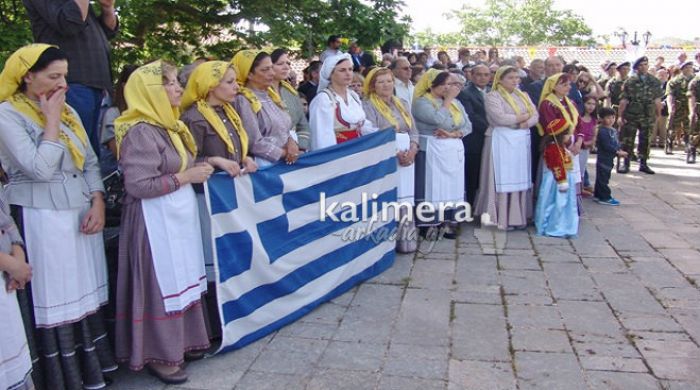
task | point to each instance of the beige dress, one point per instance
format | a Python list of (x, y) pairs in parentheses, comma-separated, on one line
[(508, 208)]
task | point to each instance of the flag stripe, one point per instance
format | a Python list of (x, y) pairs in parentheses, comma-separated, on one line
[(377, 268), (259, 296)]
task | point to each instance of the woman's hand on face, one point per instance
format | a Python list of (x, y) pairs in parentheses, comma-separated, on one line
[(249, 165), (229, 166), (52, 105), (94, 220)]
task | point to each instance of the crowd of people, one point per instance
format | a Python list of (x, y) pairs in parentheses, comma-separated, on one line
[(512, 140)]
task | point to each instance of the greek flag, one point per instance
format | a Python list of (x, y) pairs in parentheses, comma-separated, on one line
[(277, 257)]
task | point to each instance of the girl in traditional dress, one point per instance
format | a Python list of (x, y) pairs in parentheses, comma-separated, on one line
[(385, 110), (336, 113), (504, 197), (222, 142), (56, 188), (262, 110), (15, 273), (161, 278), (290, 97), (441, 122)]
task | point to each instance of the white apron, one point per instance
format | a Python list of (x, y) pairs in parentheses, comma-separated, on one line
[(407, 175), (511, 159), (444, 170), (172, 223), (576, 171), (15, 363), (69, 279)]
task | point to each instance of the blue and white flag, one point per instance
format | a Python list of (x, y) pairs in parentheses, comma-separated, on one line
[(284, 241)]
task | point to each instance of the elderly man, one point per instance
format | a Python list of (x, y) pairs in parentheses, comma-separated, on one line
[(639, 107), (403, 87), (535, 72), (472, 98)]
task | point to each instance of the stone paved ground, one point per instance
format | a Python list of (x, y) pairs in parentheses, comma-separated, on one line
[(616, 308)]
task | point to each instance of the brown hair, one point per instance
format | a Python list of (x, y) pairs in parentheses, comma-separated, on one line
[(380, 72)]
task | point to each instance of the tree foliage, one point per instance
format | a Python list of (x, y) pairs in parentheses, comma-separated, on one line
[(180, 30), (521, 23)]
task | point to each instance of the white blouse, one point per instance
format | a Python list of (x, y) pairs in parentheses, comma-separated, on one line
[(322, 117)]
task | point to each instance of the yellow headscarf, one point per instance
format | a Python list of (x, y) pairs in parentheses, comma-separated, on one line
[(497, 86), (148, 102), (11, 77), (548, 94), (423, 88), (243, 62), (381, 105), (205, 77)]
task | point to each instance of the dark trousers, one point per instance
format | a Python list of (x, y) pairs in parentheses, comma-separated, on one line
[(472, 166), (87, 102), (602, 179)]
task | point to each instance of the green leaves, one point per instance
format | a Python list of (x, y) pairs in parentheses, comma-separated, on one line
[(181, 30), (520, 23)]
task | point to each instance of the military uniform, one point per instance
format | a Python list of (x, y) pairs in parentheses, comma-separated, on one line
[(613, 89), (694, 133), (640, 113), (678, 121)]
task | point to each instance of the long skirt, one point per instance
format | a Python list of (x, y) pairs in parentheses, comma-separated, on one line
[(556, 213), (15, 363), (145, 333), (61, 308), (503, 209)]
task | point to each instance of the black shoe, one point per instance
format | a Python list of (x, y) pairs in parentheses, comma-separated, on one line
[(643, 167), (668, 148), (623, 165)]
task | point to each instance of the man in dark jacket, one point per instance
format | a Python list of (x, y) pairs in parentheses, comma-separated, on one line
[(472, 98)]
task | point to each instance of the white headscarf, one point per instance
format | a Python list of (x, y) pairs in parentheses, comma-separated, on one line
[(327, 68)]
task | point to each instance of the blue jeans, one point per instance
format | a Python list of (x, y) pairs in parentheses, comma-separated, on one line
[(87, 101)]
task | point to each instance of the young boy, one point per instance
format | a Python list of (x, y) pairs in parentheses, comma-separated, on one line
[(608, 148)]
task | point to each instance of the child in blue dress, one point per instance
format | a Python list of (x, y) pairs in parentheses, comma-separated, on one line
[(556, 212)]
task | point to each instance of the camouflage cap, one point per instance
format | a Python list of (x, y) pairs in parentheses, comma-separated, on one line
[(626, 63), (610, 65)]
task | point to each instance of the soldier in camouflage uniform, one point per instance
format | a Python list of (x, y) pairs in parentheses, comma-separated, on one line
[(613, 88), (640, 104), (694, 136), (677, 102), (608, 75)]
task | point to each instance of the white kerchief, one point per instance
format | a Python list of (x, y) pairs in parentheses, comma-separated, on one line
[(327, 68)]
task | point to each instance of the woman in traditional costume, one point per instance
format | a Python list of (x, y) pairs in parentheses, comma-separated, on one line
[(161, 280), (385, 110), (441, 122), (556, 213), (222, 142), (555, 104), (504, 196), (300, 125), (336, 114), (56, 190), (262, 110)]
